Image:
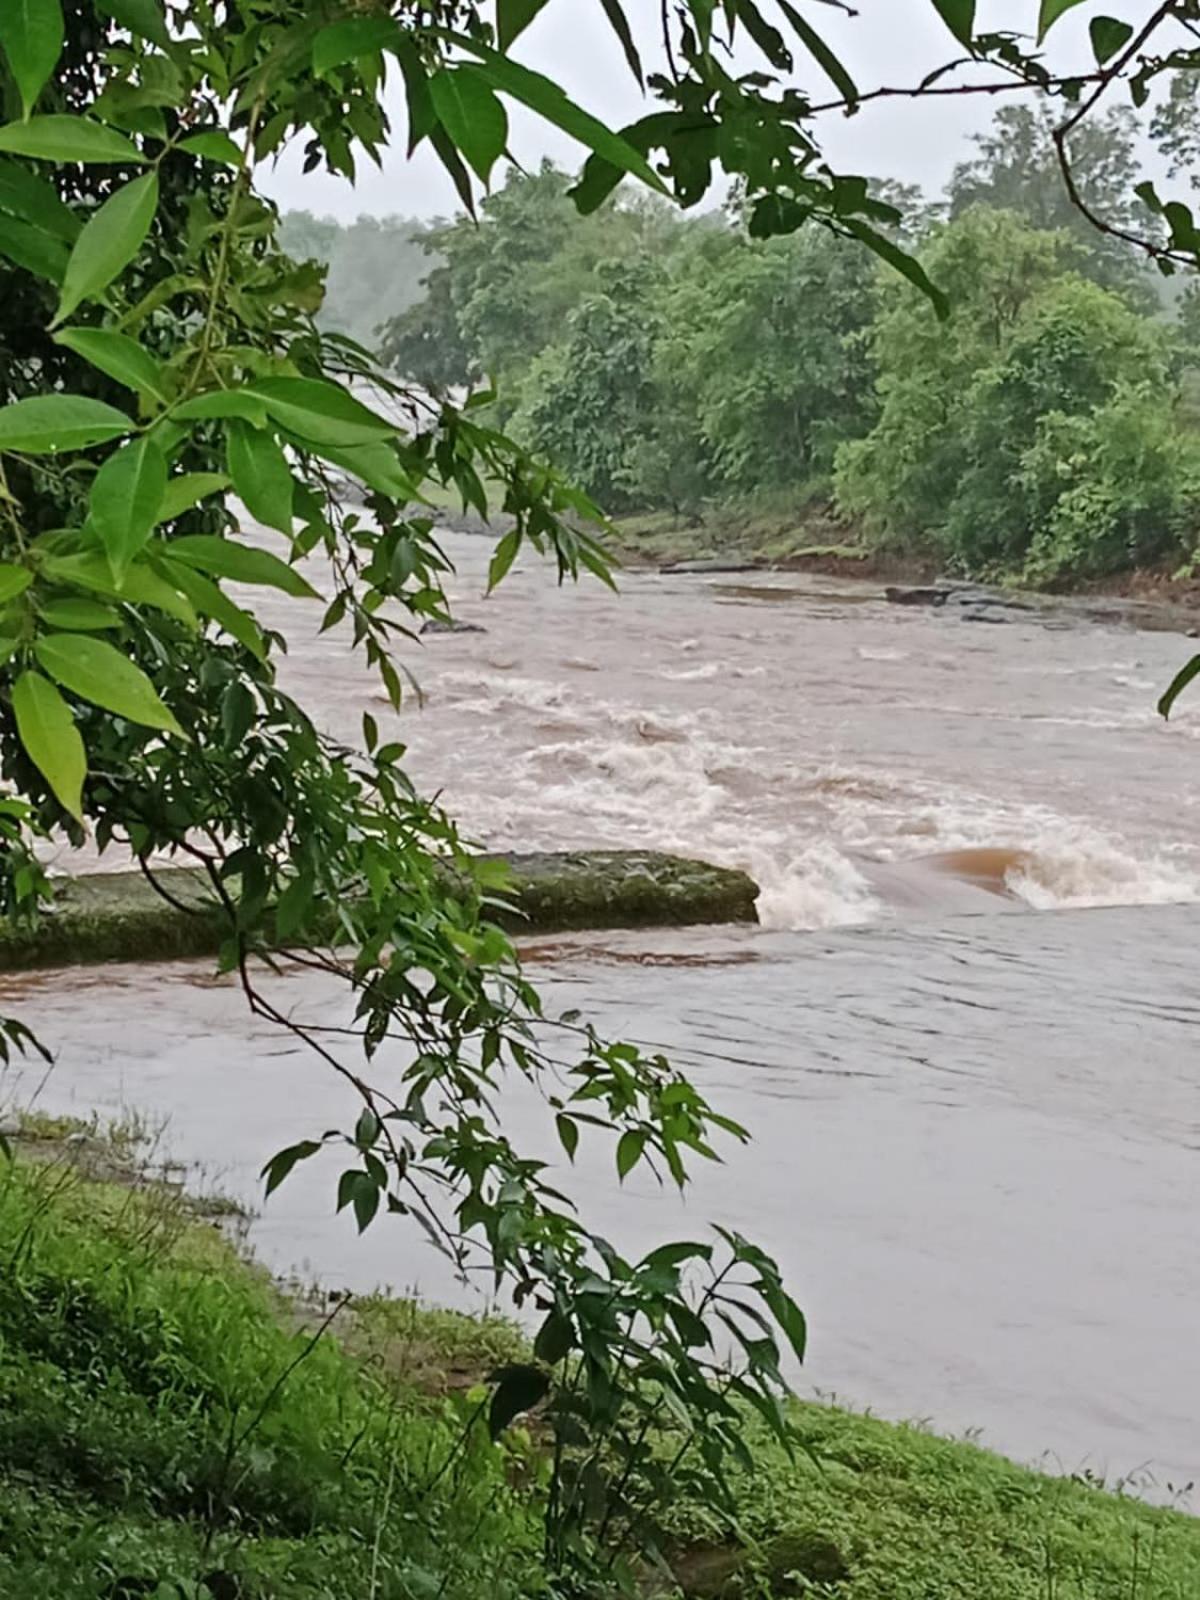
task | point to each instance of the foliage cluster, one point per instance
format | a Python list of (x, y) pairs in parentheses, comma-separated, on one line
[(1046, 431)]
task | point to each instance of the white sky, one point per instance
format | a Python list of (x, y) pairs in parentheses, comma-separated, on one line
[(893, 42)]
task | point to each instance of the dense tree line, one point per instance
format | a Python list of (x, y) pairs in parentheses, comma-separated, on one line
[(682, 364)]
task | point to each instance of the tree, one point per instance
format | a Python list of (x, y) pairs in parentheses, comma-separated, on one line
[(989, 436), (588, 399), (510, 280), (769, 341), (1017, 170)]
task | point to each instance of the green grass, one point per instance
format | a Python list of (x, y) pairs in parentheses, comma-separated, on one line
[(168, 1419), (165, 1420)]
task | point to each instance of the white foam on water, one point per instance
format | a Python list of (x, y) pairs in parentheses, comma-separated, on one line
[(818, 888), (1084, 868), (831, 843)]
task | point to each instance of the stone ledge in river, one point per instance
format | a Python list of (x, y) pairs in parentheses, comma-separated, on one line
[(118, 916)]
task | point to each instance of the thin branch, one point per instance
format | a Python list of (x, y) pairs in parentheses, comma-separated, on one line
[(933, 91), (164, 893), (1117, 66)]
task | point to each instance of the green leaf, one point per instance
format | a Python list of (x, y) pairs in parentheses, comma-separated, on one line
[(47, 424), (513, 17), (518, 1389), (615, 13), (31, 32), (377, 465), (97, 671), (23, 194), (80, 615), (568, 1134), (212, 601), (220, 405), (47, 729), (1049, 13), (1108, 35), (555, 1339), (788, 1315), (277, 1169), (68, 139), (1177, 685), (820, 52), (118, 357), (144, 17), (503, 557), (908, 266), (323, 412), (126, 497), (213, 145), (358, 1189), (29, 247), (629, 1151), (109, 242), (543, 96), (261, 475), (140, 585), (959, 17), (346, 41), (226, 558), (472, 115), (187, 490), (13, 581), (294, 905)]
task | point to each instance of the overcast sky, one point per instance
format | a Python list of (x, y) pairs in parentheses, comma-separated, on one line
[(892, 42)]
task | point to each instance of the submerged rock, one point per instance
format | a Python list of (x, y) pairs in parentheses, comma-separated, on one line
[(975, 603), (118, 916), (434, 625), (933, 595), (712, 564)]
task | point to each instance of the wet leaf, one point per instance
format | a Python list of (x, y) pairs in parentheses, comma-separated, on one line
[(63, 138), (472, 115), (97, 671), (126, 497), (518, 1389), (1177, 685), (513, 17), (261, 475), (227, 558), (14, 580), (31, 33), (47, 424), (47, 730), (119, 357), (278, 1167), (109, 242)]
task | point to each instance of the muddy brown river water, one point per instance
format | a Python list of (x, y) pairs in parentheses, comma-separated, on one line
[(975, 1105)]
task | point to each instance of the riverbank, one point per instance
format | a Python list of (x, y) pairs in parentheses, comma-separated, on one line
[(808, 540), (124, 916), (175, 1423)]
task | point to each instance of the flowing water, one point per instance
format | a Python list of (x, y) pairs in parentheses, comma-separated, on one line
[(970, 1078)]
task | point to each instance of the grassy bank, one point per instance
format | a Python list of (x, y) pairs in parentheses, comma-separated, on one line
[(172, 1425)]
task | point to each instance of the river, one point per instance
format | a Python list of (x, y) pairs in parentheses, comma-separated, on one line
[(972, 1092)]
